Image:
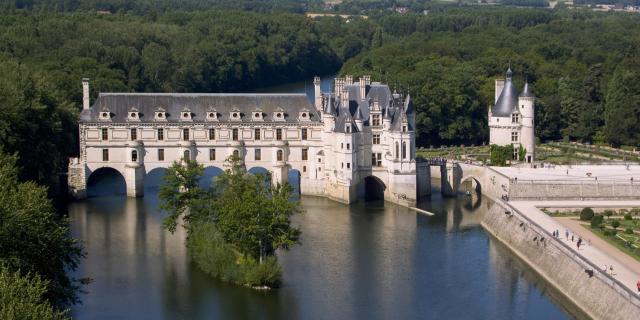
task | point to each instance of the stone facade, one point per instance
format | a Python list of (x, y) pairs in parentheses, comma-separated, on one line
[(358, 130), (511, 119)]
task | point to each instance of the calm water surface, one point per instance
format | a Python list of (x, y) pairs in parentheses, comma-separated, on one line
[(370, 260)]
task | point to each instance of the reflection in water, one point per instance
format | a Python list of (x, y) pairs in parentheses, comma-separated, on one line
[(370, 260)]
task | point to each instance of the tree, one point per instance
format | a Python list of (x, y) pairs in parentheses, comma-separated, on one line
[(615, 224), (33, 239), (586, 214), (23, 297), (499, 155), (622, 108), (179, 191), (596, 221)]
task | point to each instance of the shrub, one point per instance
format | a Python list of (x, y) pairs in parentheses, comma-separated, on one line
[(586, 214), (628, 231), (608, 213), (628, 217), (607, 233), (596, 221), (615, 224), (23, 297)]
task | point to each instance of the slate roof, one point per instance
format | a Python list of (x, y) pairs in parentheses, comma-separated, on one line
[(526, 92), (119, 104), (508, 99)]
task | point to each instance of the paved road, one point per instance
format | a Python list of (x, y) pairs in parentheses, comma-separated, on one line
[(601, 253)]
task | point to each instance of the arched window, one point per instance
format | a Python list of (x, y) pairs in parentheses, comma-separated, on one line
[(279, 155), (187, 155), (397, 150), (134, 156), (404, 150), (236, 154)]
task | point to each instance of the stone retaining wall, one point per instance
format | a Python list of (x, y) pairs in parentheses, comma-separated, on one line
[(600, 296), (561, 190)]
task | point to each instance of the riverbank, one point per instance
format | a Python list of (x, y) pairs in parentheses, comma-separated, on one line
[(528, 234)]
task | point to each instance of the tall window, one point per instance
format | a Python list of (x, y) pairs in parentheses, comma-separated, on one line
[(348, 146), (278, 134), (304, 133), (160, 134), (375, 119), (212, 134), (105, 154), (185, 134), (256, 134), (347, 129), (397, 150), (514, 136), (515, 118), (212, 154), (134, 156), (376, 139), (404, 128), (348, 165), (134, 134), (234, 134), (257, 155), (404, 150), (236, 154), (160, 154), (105, 134), (376, 159), (279, 155), (186, 155), (305, 154)]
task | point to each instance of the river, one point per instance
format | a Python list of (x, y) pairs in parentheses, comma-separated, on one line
[(368, 260)]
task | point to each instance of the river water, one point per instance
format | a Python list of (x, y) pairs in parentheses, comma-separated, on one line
[(369, 260)]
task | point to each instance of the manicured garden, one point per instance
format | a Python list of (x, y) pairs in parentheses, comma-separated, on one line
[(620, 228)]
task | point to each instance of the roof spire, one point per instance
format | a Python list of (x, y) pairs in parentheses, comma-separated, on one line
[(509, 72)]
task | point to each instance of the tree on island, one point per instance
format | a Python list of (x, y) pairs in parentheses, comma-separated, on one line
[(235, 227), (499, 155)]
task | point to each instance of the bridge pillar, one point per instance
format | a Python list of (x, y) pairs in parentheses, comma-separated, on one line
[(450, 179), (280, 173), (134, 178), (77, 179)]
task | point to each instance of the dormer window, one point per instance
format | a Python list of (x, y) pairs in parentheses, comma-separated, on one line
[(257, 115), (404, 128), (212, 115), (515, 118), (185, 115), (347, 129), (304, 116), (134, 116), (278, 115), (160, 115), (105, 115), (235, 115)]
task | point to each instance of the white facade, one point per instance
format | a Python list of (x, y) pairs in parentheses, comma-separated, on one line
[(359, 131), (512, 118)]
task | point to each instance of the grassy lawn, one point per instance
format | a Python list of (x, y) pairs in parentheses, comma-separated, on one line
[(619, 243)]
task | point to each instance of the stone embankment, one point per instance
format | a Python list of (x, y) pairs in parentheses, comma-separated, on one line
[(597, 294)]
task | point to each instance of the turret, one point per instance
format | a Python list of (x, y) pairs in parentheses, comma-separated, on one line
[(386, 118), (359, 119), (526, 106), (85, 94), (317, 93)]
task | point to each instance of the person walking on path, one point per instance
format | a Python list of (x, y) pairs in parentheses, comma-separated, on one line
[(566, 233), (579, 243), (638, 285), (571, 237)]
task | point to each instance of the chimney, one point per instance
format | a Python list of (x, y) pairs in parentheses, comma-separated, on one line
[(349, 80), (344, 97), (85, 94), (318, 94), (367, 80), (363, 88), (339, 83)]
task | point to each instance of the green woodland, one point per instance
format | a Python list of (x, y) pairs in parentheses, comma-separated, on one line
[(582, 66)]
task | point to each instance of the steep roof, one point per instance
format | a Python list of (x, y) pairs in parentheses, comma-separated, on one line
[(508, 99), (119, 104), (526, 92)]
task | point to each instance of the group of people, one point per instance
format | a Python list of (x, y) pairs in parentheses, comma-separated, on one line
[(556, 234)]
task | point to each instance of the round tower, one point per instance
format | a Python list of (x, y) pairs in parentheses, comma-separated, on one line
[(526, 107)]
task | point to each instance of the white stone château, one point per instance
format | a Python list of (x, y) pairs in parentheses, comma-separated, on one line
[(511, 119), (357, 140)]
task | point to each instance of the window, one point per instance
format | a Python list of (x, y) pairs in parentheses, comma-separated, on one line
[(134, 156), (134, 134), (515, 118), (304, 133), (348, 165), (348, 146), (258, 155), (375, 119), (278, 134), (212, 154), (186, 155), (305, 154), (160, 154), (397, 151), (256, 134), (105, 154), (279, 155), (304, 168), (404, 128), (160, 134), (341, 145), (185, 134), (376, 139), (404, 150), (342, 165), (234, 134), (514, 136), (105, 134), (348, 128), (212, 134), (236, 154), (376, 159)]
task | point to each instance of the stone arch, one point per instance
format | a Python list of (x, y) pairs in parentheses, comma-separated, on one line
[(374, 188), (106, 181), (154, 179), (260, 170), (294, 178), (186, 155), (470, 183), (208, 176)]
